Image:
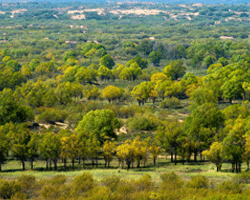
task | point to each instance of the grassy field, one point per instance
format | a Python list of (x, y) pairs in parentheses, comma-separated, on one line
[(13, 169)]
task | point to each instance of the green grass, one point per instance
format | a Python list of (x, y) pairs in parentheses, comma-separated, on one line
[(13, 170)]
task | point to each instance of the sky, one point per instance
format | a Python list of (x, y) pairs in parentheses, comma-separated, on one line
[(155, 1)]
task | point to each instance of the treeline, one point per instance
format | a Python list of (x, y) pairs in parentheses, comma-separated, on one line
[(171, 186), (92, 139)]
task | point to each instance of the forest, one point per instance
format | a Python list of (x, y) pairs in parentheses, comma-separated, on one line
[(124, 101)]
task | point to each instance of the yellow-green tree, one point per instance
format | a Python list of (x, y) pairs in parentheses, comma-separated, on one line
[(108, 151), (140, 150), (155, 151), (112, 92), (247, 151), (91, 92), (142, 92), (125, 152), (69, 149), (215, 155)]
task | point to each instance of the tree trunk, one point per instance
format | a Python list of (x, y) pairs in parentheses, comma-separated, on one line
[(108, 164), (23, 164), (0, 167), (138, 164), (172, 160), (200, 156), (55, 164), (247, 166), (105, 164), (73, 164), (233, 167), (47, 165), (96, 160), (79, 160), (175, 158), (128, 165), (83, 164), (154, 161), (93, 163), (65, 163), (50, 164), (31, 164), (195, 156)]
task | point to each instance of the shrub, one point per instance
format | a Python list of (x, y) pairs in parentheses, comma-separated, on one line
[(58, 180), (52, 115), (198, 182), (170, 103), (9, 188), (142, 122), (242, 178), (27, 182), (111, 182), (171, 179), (83, 183), (229, 187)]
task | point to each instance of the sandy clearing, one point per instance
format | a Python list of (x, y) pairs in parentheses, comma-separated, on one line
[(13, 12), (226, 38), (55, 16), (78, 16), (99, 11), (138, 11), (1, 12), (197, 4)]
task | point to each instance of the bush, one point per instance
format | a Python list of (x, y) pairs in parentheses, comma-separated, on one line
[(142, 122), (242, 178), (198, 182), (111, 182), (229, 187), (9, 188), (58, 180), (171, 179), (52, 115), (83, 183), (170, 103), (27, 182)]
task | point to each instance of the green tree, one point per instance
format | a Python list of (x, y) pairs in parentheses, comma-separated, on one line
[(232, 89), (33, 149), (155, 58), (233, 145), (175, 69), (142, 63), (4, 147), (168, 137), (19, 142), (11, 110), (107, 61), (33, 64), (50, 148), (145, 46), (209, 60), (223, 61), (101, 123)]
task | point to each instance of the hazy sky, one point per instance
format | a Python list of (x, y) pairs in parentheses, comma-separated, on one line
[(159, 1)]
